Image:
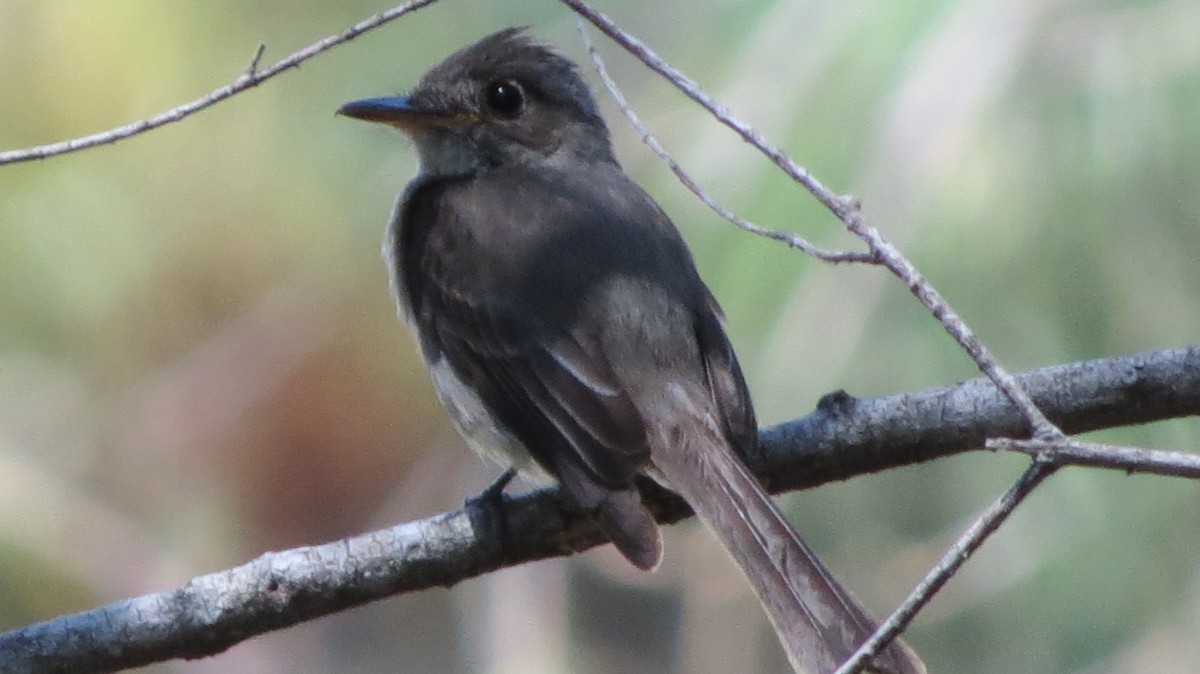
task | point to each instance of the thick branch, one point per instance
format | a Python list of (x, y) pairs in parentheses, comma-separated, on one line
[(842, 438), (847, 437)]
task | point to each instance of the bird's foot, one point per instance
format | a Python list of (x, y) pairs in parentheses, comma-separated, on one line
[(486, 510)]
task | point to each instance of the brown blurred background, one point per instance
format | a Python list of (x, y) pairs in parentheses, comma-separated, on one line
[(199, 360)]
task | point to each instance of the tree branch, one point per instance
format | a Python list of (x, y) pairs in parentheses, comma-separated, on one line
[(964, 546), (250, 78), (1099, 455), (787, 238), (846, 436), (843, 437)]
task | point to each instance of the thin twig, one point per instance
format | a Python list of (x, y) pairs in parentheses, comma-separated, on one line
[(252, 77), (953, 559), (693, 91), (1099, 455), (252, 71), (793, 240), (950, 320)]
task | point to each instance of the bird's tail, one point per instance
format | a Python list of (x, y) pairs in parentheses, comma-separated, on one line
[(818, 622)]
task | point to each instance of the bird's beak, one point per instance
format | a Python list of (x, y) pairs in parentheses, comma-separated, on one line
[(402, 112)]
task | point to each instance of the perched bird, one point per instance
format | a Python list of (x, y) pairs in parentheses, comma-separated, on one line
[(567, 330)]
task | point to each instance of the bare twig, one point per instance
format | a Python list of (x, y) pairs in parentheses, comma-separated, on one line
[(925, 293), (1099, 455), (953, 559), (693, 91), (792, 240), (252, 71), (252, 77)]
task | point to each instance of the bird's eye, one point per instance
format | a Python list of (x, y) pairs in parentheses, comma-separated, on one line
[(505, 99)]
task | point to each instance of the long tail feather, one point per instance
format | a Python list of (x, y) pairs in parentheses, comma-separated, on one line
[(818, 622)]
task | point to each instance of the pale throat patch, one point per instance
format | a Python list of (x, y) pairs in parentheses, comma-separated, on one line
[(445, 153)]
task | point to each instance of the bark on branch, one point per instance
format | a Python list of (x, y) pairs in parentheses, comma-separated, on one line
[(842, 438)]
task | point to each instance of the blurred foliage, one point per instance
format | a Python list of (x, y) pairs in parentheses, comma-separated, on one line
[(199, 360)]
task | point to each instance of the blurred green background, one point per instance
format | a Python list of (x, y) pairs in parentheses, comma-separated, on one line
[(199, 360)]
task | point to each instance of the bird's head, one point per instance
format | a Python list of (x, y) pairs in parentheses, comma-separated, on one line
[(504, 100)]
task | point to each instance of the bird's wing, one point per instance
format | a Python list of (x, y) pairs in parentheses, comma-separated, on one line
[(549, 385)]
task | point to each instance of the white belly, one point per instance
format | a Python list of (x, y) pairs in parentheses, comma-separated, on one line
[(476, 424)]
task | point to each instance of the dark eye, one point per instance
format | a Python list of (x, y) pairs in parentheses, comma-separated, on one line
[(505, 99)]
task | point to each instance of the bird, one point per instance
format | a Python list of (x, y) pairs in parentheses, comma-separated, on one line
[(569, 334)]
